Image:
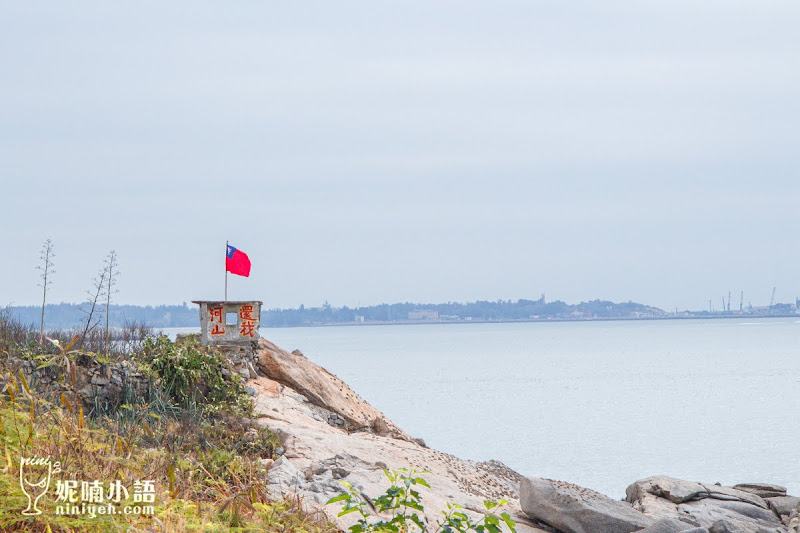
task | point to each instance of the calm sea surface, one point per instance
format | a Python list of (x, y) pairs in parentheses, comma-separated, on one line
[(600, 404)]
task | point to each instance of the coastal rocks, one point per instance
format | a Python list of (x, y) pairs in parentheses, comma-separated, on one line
[(784, 505), (788, 509), (283, 476), (323, 389), (336, 420), (793, 522), (662, 504), (720, 509), (727, 526), (679, 491), (323, 454), (666, 525), (764, 490), (574, 509)]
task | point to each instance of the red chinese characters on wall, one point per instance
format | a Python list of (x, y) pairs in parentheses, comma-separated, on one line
[(247, 321), (215, 318)]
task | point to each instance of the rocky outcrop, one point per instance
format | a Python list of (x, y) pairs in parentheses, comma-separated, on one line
[(317, 455), (719, 509), (328, 434), (324, 390), (663, 505), (784, 505), (764, 490), (679, 491), (574, 509), (666, 525)]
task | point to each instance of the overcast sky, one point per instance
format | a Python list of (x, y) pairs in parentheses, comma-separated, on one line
[(367, 152)]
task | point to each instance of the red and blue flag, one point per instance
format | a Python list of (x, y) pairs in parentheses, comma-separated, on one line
[(237, 262)]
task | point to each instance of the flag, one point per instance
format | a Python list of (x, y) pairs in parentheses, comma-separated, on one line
[(237, 262)]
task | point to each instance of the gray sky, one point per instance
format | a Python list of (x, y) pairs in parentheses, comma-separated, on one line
[(390, 151)]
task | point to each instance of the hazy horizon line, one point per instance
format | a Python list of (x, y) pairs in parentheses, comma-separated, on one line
[(359, 305)]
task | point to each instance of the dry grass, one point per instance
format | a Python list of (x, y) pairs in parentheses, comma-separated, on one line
[(22, 340), (208, 466)]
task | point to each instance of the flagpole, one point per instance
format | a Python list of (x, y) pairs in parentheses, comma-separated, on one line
[(226, 272)]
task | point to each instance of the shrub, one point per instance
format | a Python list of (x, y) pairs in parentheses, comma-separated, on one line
[(207, 471), (402, 501), (192, 375)]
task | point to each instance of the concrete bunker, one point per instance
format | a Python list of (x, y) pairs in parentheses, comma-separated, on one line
[(229, 322)]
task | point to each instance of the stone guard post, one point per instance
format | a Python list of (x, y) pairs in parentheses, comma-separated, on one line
[(229, 323)]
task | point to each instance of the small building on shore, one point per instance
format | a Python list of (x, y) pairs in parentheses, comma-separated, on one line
[(422, 314), (226, 323)]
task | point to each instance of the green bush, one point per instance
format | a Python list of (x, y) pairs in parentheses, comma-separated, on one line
[(402, 502), (192, 375)]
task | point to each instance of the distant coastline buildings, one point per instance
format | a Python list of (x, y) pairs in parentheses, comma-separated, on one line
[(73, 315), (423, 315)]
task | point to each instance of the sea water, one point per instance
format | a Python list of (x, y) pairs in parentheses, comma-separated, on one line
[(600, 404)]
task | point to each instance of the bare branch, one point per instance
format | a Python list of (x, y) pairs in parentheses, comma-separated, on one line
[(98, 288), (111, 272), (47, 272)]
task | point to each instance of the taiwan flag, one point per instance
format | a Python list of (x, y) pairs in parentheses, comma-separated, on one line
[(237, 262)]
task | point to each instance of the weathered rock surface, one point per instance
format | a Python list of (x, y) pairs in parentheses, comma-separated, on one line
[(784, 505), (765, 490), (666, 525), (720, 509), (284, 474), (574, 509), (679, 491), (323, 389)]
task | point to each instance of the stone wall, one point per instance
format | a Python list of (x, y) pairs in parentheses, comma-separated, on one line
[(98, 385)]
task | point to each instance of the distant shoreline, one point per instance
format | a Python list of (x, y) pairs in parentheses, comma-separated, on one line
[(535, 320), (70, 316)]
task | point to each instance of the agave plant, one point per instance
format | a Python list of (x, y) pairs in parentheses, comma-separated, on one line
[(63, 355)]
